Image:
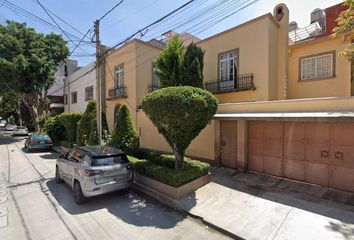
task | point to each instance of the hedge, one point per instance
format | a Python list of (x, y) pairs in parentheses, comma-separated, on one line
[(174, 177), (54, 129), (70, 122)]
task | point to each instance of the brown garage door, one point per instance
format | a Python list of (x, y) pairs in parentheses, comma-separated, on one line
[(315, 152), (229, 144), (265, 147)]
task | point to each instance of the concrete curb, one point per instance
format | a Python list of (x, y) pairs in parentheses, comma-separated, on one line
[(60, 149), (172, 203)]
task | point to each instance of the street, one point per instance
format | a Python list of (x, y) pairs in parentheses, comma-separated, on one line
[(33, 206)]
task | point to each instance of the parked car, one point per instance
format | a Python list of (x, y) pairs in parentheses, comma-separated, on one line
[(2, 124), (38, 141), (20, 131), (94, 170), (10, 127)]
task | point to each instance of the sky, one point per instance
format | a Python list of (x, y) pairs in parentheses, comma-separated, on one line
[(202, 18)]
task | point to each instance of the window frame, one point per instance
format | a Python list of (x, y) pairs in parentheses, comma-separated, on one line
[(116, 70), (155, 80), (316, 56), (86, 89), (236, 63), (72, 98)]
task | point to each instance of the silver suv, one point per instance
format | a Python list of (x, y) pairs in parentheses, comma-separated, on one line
[(94, 170)]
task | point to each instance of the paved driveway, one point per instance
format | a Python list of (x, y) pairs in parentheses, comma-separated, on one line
[(33, 206)]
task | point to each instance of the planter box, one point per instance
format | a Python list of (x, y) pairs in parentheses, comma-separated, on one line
[(173, 192)]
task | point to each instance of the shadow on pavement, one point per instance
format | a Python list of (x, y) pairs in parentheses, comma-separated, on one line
[(301, 201), (125, 205)]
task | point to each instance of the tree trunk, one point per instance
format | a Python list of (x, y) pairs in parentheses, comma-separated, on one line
[(179, 164)]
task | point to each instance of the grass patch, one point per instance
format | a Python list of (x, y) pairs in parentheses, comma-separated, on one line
[(161, 168)]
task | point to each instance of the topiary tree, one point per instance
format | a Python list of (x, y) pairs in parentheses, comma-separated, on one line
[(124, 134), (84, 127), (93, 137), (193, 64), (169, 63), (180, 113), (70, 122)]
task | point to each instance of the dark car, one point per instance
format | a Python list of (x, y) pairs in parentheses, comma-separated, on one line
[(38, 141), (94, 170)]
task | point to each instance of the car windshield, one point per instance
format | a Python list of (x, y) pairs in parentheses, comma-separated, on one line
[(40, 137), (111, 160), (20, 127)]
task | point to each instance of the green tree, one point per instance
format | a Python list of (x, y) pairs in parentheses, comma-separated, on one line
[(180, 113), (28, 61), (124, 134), (93, 137), (54, 129), (346, 24), (192, 74), (70, 122), (170, 62)]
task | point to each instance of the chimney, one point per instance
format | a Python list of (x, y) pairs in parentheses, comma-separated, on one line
[(293, 26), (318, 15)]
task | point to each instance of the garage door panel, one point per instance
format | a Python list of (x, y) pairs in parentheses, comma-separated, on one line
[(255, 147), (273, 131), (294, 170), (294, 131), (343, 134), (343, 178), (317, 153), (317, 173), (255, 130), (317, 132), (294, 151), (255, 163), (273, 166), (229, 143), (343, 155), (273, 148)]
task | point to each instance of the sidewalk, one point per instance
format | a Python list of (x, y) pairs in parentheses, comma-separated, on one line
[(253, 206)]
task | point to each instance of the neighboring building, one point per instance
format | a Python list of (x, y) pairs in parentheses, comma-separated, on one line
[(80, 88), (55, 93), (285, 98)]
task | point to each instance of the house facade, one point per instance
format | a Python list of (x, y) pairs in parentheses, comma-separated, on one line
[(285, 99), (80, 88)]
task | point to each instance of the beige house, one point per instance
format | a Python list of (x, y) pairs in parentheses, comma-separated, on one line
[(285, 99)]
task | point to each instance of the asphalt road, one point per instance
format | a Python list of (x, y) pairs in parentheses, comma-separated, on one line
[(33, 206)]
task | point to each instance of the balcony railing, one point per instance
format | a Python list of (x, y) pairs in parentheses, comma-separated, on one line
[(153, 87), (117, 92), (241, 83)]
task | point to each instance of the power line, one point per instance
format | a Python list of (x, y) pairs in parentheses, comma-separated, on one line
[(151, 24), (40, 4), (114, 7)]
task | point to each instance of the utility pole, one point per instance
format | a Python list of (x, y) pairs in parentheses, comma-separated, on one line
[(98, 82)]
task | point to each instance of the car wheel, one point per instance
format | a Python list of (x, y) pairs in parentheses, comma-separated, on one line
[(78, 196), (28, 149), (57, 176)]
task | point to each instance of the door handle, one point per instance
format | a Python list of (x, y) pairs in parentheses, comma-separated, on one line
[(324, 154), (339, 155)]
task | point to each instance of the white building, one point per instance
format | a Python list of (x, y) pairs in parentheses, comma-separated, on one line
[(80, 88)]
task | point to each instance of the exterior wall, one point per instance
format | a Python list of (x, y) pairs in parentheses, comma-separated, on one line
[(295, 105), (73, 84), (339, 85), (124, 55), (201, 147), (252, 41)]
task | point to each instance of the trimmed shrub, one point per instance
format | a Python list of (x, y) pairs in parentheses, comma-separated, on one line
[(66, 144), (180, 113), (70, 121), (124, 135), (54, 129), (85, 125), (173, 177), (93, 138)]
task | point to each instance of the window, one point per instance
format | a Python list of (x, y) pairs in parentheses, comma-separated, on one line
[(66, 99), (155, 78), (228, 66), (74, 97), (320, 66), (109, 160), (119, 75), (89, 93)]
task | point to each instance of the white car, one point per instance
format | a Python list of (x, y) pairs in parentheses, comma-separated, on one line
[(20, 131), (2, 124), (10, 127)]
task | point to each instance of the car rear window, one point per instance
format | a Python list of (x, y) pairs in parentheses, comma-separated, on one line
[(41, 137), (20, 127), (111, 160)]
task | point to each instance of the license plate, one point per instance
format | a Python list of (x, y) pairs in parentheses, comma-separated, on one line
[(41, 142)]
